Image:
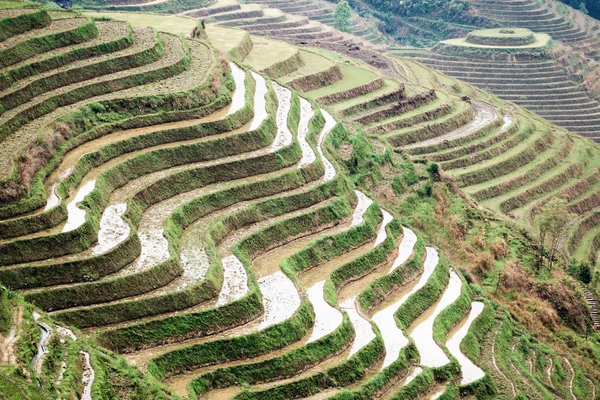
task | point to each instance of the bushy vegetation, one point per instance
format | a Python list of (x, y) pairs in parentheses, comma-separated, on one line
[(342, 16), (590, 7), (423, 151), (6, 311)]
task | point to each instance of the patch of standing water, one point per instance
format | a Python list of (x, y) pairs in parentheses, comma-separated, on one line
[(88, 376), (284, 136), (235, 280), (41, 347), (42, 350), (507, 121), (362, 327), (113, 229), (154, 246), (470, 371), (327, 318), (260, 101), (154, 250), (76, 215), (393, 337), (364, 202), (431, 354), (406, 248), (237, 100), (330, 123), (382, 234), (306, 113), (280, 298), (195, 264), (53, 199)]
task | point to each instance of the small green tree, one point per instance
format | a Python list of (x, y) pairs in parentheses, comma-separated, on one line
[(342, 16), (551, 224), (434, 171)]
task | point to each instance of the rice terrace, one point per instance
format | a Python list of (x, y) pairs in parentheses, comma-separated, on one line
[(310, 199)]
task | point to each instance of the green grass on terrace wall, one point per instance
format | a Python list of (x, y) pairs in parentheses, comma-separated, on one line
[(40, 44), (190, 212), (96, 89), (281, 367), (86, 124), (81, 74), (82, 237), (379, 289), (22, 23), (416, 304), (13, 75)]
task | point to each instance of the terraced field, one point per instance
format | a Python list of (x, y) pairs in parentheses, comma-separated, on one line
[(506, 159), (510, 161), (547, 16), (190, 204), (544, 16), (322, 11), (540, 84), (311, 20)]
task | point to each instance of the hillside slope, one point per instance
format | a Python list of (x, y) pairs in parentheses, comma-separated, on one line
[(211, 213)]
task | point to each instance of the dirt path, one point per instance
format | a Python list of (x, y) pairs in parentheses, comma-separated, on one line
[(593, 387), (523, 379), (9, 355), (512, 384), (572, 377), (61, 374), (88, 376), (549, 372), (485, 114), (530, 361)]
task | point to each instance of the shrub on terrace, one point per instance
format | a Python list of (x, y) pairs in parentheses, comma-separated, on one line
[(342, 16), (580, 271)]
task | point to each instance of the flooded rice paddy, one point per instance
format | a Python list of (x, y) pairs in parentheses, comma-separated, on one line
[(382, 234), (113, 229), (327, 318), (280, 299), (330, 123), (470, 371), (284, 135), (235, 280), (306, 113), (260, 101), (237, 100), (405, 249), (362, 327), (431, 353)]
